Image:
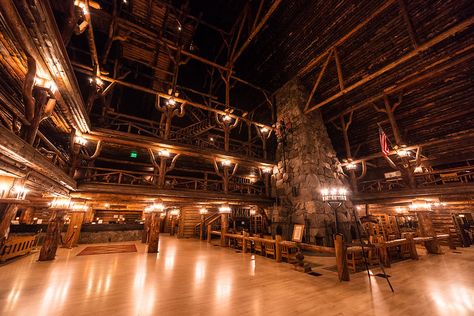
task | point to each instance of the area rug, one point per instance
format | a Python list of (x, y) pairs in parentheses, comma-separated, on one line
[(103, 250)]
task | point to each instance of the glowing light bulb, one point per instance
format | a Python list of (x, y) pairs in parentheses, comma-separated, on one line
[(164, 153)]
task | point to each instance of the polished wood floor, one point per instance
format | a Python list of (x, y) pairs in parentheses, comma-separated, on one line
[(189, 277)]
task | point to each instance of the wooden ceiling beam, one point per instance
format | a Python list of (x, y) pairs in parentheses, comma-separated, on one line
[(421, 48), (448, 138), (431, 71), (256, 30), (310, 66), (436, 191), (82, 69)]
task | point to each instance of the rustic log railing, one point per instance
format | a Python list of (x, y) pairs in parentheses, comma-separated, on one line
[(191, 135), (17, 245), (118, 176), (426, 179)]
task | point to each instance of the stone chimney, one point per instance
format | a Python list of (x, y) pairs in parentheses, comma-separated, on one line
[(307, 162)]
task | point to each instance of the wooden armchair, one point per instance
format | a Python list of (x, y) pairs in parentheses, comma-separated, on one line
[(288, 253), (270, 250), (259, 248)]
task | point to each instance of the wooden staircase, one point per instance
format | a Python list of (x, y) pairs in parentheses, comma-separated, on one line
[(190, 217), (195, 129), (443, 223)]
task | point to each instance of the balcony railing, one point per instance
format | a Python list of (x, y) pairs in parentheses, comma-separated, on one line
[(458, 175), (237, 185), (196, 135)]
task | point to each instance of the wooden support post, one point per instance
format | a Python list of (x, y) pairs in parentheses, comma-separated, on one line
[(244, 242), (201, 227), (146, 228), (7, 213), (425, 225), (209, 233), (53, 236), (173, 223), (341, 260), (413, 253), (277, 248), (154, 237), (224, 228), (71, 238)]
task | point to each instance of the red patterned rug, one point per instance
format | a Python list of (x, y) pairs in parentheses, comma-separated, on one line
[(103, 250)]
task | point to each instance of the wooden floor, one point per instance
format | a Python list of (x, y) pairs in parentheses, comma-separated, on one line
[(189, 277)]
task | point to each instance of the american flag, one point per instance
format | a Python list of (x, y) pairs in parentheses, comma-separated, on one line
[(383, 142)]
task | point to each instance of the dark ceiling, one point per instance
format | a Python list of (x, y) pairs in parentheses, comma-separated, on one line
[(301, 30)]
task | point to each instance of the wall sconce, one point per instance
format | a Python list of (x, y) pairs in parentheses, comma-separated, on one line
[(171, 102), (225, 209), (403, 153), (264, 130), (351, 166), (81, 5), (46, 84), (20, 192), (420, 205), (80, 140), (253, 211), (164, 153), (61, 203), (174, 212), (266, 169), (203, 211), (156, 207)]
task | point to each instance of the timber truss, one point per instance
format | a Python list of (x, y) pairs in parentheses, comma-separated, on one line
[(50, 130)]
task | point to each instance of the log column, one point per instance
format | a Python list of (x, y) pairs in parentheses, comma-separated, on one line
[(425, 225), (53, 236), (7, 213), (341, 260), (146, 228), (154, 236), (201, 227), (74, 229), (224, 228)]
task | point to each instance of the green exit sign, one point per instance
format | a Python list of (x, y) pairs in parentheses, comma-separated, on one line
[(133, 154)]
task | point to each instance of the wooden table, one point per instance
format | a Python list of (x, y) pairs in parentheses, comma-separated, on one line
[(385, 254)]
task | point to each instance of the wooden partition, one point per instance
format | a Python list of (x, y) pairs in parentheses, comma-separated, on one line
[(17, 245)]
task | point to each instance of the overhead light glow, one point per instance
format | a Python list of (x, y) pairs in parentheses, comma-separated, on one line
[(403, 153), (164, 153), (351, 166), (203, 211), (80, 140), (225, 209), (226, 162)]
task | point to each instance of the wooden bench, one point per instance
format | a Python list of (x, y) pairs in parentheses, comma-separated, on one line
[(17, 245)]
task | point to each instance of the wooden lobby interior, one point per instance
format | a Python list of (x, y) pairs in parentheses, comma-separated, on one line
[(236, 157)]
